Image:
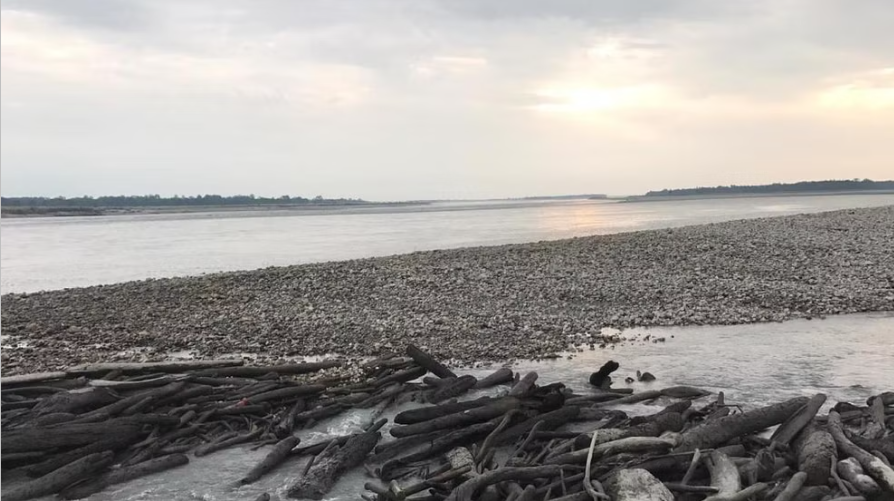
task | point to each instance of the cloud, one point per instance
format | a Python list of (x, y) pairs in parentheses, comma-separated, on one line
[(391, 99)]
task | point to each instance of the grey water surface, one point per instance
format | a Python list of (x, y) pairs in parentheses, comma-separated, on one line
[(58, 252)]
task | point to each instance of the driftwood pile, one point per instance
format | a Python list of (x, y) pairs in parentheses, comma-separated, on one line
[(80, 431)]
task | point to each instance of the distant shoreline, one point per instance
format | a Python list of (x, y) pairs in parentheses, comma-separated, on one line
[(667, 198), (37, 212)]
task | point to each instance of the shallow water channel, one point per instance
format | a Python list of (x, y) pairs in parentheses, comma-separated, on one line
[(848, 357)]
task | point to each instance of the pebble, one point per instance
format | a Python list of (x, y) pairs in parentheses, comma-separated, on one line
[(489, 303)]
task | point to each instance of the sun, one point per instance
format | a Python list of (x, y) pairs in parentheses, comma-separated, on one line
[(582, 100)]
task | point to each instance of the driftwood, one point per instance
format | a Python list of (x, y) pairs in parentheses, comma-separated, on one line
[(430, 364), (55, 481), (276, 456), (815, 454), (524, 385), (793, 425), (874, 467), (125, 474), (217, 445), (724, 474), (300, 368), (550, 420), (69, 435), (149, 367), (653, 428), (474, 415), (330, 464), (467, 489), (57, 461), (624, 445), (636, 485), (149, 419), (500, 376), (427, 413), (452, 388), (717, 432), (849, 469)]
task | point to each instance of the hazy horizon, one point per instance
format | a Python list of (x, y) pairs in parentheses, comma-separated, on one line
[(440, 99)]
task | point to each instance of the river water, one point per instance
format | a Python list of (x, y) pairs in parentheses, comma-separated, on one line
[(55, 252), (846, 357)]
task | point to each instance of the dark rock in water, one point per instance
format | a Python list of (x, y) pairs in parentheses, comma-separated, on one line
[(645, 377), (602, 378)]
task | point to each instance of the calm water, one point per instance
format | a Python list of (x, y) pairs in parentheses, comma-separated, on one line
[(55, 253), (847, 357)]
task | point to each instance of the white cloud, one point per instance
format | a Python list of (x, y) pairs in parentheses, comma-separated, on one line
[(386, 99)]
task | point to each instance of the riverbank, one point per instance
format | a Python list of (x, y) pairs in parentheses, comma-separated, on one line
[(32, 212), (491, 303)]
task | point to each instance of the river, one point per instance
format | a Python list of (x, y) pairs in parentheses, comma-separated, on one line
[(59, 252)]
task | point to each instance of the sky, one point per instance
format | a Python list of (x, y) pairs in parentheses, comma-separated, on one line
[(433, 99)]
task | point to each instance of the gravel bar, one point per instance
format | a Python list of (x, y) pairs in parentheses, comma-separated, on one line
[(485, 303)]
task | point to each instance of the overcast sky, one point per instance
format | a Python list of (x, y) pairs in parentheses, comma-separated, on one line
[(419, 99)]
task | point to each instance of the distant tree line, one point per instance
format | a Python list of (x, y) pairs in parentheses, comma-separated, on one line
[(801, 187), (175, 201)]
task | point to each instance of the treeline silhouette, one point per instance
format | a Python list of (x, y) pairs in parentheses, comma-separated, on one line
[(175, 201), (801, 187)]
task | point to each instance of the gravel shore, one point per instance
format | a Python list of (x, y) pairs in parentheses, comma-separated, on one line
[(490, 303)]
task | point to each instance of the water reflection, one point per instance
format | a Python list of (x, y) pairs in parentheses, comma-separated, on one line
[(53, 253)]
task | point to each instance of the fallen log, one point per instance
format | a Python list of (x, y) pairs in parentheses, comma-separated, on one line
[(636, 484), (124, 474), (217, 445), (849, 469), (793, 425), (27, 379), (631, 399), (452, 388), (442, 443), (57, 480), (285, 425), (388, 450), (550, 421), (630, 444), (289, 392), (276, 456), (466, 490), (68, 435), (724, 474), (60, 459), (525, 385), (428, 413), (257, 371), (502, 375), (148, 367), (816, 453), (653, 428), (429, 363), (401, 376), (883, 445), (75, 401), (792, 487), (474, 415), (875, 467), (717, 432), (330, 464)]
